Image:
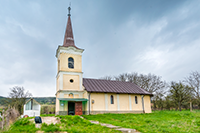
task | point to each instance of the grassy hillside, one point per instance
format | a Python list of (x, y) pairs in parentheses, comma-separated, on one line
[(45, 100), (2, 100), (41, 100), (157, 122)]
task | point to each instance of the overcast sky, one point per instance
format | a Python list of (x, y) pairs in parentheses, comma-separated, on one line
[(161, 37)]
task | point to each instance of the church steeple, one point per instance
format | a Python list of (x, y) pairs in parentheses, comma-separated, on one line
[(69, 39)]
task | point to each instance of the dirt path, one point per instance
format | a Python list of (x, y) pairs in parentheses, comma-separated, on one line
[(49, 120)]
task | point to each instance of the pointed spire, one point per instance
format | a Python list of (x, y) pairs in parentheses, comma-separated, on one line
[(69, 39)]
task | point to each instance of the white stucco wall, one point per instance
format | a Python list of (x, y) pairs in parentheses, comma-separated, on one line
[(34, 112)]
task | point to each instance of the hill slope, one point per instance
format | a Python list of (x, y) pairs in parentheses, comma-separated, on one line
[(41, 100)]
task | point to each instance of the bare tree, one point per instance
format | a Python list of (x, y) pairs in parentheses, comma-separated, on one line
[(168, 102), (17, 98), (158, 100), (150, 82), (194, 82), (107, 78)]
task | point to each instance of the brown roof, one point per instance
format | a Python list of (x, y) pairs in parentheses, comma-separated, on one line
[(69, 39), (109, 86)]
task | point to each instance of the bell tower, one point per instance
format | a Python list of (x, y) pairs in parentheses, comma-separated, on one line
[(69, 71)]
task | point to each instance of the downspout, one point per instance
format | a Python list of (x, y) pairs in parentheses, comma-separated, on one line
[(89, 103), (143, 103), (31, 104)]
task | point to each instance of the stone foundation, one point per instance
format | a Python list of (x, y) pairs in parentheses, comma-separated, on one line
[(113, 112), (100, 112), (62, 113)]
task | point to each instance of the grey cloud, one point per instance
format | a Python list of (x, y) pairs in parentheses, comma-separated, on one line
[(113, 34)]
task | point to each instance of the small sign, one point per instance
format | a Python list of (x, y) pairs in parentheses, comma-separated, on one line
[(38, 120), (92, 101)]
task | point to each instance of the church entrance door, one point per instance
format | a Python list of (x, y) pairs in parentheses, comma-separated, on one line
[(78, 108), (71, 108)]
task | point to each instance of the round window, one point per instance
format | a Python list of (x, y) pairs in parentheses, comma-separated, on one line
[(71, 80)]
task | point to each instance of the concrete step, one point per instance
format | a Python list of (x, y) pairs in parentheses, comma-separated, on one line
[(94, 122), (104, 124), (126, 130), (109, 126), (81, 117), (113, 127)]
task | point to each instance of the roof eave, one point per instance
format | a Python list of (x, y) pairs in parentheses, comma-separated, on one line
[(119, 92)]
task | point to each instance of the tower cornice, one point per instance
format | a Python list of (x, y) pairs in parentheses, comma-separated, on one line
[(69, 49)]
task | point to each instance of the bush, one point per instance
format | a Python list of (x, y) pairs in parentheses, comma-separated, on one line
[(50, 128), (48, 109), (22, 122)]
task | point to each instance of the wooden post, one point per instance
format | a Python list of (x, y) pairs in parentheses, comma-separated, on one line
[(191, 106)]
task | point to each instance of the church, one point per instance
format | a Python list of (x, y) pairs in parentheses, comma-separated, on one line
[(76, 95)]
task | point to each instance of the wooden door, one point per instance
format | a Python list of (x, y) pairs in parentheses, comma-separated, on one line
[(78, 108)]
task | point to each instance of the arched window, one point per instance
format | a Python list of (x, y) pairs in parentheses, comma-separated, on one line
[(70, 62), (136, 100), (71, 95), (111, 99)]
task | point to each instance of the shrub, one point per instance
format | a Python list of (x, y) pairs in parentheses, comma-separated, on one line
[(48, 109), (22, 122), (50, 128)]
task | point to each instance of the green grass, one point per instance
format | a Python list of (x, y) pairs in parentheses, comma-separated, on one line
[(70, 124), (158, 121), (74, 124), (50, 128), (44, 115), (1, 109)]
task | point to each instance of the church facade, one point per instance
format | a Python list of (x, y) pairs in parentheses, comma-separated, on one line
[(76, 95)]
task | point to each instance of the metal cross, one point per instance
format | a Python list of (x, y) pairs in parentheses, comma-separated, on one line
[(69, 8)]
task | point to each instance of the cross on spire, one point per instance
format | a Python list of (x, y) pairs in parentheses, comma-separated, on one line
[(69, 8)]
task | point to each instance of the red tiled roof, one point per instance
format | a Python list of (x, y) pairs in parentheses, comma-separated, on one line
[(109, 86)]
